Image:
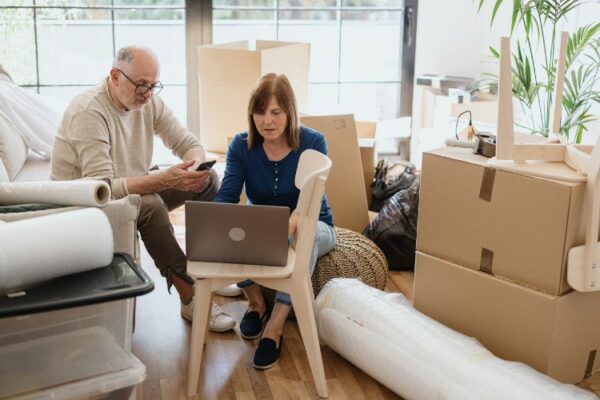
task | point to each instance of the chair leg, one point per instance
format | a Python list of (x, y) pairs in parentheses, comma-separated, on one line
[(202, 298), (302, 298)]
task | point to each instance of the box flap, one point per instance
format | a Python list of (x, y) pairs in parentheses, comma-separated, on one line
[(262, 45), (228, 66), (293, 60), (462, 154), (345, 185), (241, 45)]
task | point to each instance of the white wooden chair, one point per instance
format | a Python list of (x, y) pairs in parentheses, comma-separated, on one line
[(560, 161), (311, 175)]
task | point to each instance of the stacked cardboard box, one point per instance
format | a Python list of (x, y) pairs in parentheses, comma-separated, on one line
[(491, 263)]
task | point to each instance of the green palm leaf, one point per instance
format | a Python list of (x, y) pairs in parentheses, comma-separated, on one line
[(580, 40)]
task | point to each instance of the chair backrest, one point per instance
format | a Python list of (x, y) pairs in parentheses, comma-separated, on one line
[(311, 176)]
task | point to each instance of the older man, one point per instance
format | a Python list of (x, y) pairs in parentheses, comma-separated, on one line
[(108, 133)]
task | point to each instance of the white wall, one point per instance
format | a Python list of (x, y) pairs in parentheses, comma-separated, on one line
[(453, 39)]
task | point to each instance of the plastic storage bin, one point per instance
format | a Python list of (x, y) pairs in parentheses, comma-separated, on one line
[(80, 352), (88, 363)]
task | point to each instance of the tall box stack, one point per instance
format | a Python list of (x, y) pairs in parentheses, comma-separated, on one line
[(228, 72), (491, 263)]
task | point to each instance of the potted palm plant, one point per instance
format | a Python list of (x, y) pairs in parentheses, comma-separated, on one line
[(535, 29)]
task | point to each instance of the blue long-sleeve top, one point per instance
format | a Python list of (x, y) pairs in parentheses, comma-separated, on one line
[(268, 182)]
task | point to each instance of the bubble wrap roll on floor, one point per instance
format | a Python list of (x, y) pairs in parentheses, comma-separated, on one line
[(38, 249), (417, 357)]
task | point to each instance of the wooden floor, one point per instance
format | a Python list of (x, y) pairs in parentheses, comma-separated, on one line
[(161, 342)]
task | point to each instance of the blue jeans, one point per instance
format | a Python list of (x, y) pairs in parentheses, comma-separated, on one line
[(325, 241)]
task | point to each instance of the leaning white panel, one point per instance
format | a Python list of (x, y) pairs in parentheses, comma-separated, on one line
[(418, 357)]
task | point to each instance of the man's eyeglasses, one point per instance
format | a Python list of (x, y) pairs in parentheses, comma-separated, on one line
[(143, 89)]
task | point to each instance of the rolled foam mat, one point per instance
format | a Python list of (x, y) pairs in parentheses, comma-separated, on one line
[(38, 249), (94, 193)]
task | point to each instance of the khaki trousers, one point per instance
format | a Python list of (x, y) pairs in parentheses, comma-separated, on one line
[(157, 232)]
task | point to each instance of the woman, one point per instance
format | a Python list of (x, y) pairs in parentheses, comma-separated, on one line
[(265, 159)]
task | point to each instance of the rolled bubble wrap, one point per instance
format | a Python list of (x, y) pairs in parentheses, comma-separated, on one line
[(93, 193), (38, 249), (419, 358)]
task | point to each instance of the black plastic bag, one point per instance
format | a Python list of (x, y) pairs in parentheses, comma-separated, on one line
[(390, 178), (394, 230)]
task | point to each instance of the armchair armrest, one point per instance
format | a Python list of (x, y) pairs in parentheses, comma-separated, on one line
[(121, 213)]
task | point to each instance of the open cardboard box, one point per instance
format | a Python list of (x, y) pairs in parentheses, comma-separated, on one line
[(228, 72), (510, 225), (558, 336)]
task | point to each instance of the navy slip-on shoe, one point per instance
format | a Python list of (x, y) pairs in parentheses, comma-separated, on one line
[(267, 353), (252, 324)]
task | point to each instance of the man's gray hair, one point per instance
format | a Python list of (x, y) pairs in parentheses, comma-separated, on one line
[(124, 57)]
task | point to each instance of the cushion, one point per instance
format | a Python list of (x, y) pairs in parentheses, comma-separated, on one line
[(4, 75), (33, 116), (13, 150), (3, 173), (36, 168)]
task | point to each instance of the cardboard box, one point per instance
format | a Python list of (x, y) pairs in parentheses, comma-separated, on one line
[(228, 72), (558, 336), (365, 130), (510, 225), (367, 157), (345, 186)]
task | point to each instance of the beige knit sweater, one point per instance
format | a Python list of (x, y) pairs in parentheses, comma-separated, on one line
[(97, 140)]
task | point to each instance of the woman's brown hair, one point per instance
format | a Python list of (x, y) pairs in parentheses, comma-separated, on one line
[(279, 87)]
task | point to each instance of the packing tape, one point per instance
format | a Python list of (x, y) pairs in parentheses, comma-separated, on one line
[(487, 258), (487, 184), (590, 364)]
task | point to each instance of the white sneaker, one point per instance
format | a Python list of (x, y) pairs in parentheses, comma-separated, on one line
[(229, 291), (220, 321)]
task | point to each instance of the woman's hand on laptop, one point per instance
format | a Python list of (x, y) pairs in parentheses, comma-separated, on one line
[(293, 223), (180, 178)]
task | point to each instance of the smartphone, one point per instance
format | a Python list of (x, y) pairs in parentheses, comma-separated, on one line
[(206, 165)]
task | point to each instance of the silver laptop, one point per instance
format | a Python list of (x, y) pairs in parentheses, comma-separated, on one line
[(235, 233)]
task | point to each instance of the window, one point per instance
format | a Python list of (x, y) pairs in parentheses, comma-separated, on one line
[(356, 46), (61, 47)]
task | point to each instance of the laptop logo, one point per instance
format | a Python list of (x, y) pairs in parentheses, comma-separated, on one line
[(237, 234)]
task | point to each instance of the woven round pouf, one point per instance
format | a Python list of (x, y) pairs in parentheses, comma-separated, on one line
[(354, 256)]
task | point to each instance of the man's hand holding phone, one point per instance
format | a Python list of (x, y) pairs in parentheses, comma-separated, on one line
[(190, 180)]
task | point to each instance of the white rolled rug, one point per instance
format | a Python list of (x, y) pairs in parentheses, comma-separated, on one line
[(38, 249), (93, 193), (419, 358)]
